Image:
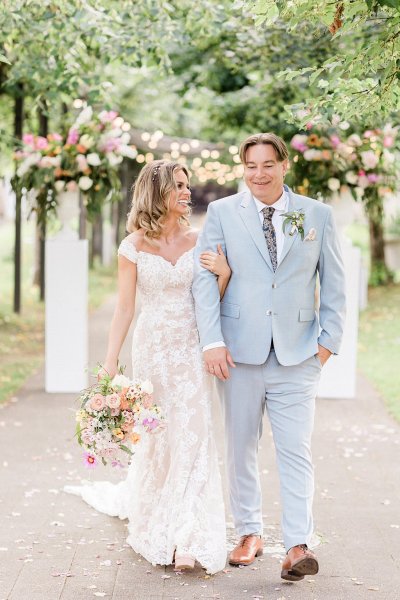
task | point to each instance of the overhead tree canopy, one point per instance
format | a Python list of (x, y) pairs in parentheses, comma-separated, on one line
[(360, 79)]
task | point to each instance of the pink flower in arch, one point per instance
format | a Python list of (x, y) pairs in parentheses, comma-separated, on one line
[(373, 177), (111, 144), (73, 136), (41, 143), (335, 140), (54, 137), (28, 139), (388, 141), (107, 116)]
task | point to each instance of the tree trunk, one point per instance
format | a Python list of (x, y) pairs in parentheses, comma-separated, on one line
[(18, 126), (380, 274), (97, 238), (64, 118), (82, 218), (43, 131)]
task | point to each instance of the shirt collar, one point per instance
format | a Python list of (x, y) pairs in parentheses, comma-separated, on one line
[(280, 204)]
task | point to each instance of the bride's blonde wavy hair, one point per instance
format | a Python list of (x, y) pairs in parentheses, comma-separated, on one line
[(150, 200)]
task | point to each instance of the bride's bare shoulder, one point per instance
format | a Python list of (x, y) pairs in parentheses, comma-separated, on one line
[(136, 238)]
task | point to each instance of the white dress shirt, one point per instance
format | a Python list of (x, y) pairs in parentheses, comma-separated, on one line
[(280, 207)]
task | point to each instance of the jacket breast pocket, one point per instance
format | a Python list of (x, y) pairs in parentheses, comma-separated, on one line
[(230, 310), (306, 314)]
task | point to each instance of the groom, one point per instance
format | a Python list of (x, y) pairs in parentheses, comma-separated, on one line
[(267, 340)]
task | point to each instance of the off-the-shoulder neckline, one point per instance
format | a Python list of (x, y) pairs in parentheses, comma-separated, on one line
[(159, 255)]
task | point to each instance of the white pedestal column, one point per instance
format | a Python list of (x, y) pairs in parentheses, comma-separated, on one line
[(66, 315), (338, 378)]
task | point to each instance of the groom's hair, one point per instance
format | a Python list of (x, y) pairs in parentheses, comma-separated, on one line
[(264, 138)]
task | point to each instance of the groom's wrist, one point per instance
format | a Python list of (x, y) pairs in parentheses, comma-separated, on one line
[(220, 344)]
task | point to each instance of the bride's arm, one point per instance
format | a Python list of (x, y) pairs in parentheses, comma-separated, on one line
[(217, 264), (123, 313)]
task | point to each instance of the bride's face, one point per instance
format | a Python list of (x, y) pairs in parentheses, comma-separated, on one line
[(180, 198)]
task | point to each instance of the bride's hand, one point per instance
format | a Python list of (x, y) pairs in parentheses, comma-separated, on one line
[(107, 370), (215, 262)]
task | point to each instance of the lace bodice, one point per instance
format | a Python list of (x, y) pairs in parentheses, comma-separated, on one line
[(159, 281)]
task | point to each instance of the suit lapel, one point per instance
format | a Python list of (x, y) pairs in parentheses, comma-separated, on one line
[(248, 213), (289, 239)]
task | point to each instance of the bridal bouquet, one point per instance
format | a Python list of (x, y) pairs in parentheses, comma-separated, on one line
[(115, 413)]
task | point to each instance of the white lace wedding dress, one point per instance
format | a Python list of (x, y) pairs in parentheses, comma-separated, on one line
[(172, 495)]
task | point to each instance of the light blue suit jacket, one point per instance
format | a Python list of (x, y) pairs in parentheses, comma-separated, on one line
[(259, 304)]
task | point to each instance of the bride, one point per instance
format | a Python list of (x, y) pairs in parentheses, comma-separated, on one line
[(172, 495)]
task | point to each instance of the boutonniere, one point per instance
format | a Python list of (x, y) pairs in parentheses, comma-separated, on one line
[(296, 220)]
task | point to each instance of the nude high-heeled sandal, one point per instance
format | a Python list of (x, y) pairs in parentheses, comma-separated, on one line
[(183, 563)]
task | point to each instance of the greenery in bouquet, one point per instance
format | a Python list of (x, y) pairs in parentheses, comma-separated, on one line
[(316, 168), (114, 414), (86, 159)]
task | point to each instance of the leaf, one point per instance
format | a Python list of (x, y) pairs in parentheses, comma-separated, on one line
[(4, 59), (285, 222), (391, 3)]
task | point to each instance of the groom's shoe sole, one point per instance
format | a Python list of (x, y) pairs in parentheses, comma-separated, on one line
[(290, 576), (305, 566)]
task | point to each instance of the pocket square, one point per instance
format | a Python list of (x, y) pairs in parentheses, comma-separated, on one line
[(311, 235)]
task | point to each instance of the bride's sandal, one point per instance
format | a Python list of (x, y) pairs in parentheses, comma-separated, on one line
[(183, 563)]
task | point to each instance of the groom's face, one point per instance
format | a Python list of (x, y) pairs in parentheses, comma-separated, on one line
[(264, 173)]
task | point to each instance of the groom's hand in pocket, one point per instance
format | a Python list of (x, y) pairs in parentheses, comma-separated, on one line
[(218, 361), (323, 354)]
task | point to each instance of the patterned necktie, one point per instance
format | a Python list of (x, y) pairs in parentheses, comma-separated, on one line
[(269, 234)]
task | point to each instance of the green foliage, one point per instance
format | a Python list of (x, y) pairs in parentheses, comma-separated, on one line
[(360, 80), (380, 274)]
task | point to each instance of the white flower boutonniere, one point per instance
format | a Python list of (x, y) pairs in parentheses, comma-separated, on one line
[(296, 220)]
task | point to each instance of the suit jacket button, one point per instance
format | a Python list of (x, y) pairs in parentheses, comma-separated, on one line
[(269, 313)]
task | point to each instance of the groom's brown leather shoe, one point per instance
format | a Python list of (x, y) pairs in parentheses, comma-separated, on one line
[(247, 549), (299, 561)]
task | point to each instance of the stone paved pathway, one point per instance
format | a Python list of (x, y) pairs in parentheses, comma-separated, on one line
[(53, 546)]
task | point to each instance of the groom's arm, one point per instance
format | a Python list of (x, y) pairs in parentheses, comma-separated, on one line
[(205, 283), (333, 287), (207, 300)]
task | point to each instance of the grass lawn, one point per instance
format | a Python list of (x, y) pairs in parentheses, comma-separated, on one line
[(22, 336), (379, 344), (379, 332)]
